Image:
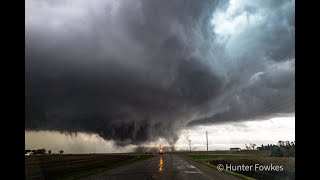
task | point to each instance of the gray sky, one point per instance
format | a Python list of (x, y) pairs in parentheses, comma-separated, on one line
[(132, 72)]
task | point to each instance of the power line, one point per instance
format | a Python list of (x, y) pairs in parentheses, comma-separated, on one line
[(273, 109)]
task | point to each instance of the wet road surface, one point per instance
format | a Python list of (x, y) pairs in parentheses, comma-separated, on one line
[(166, 167)]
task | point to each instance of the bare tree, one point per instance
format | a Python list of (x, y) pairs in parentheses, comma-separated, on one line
[(252, 146), (248, 147), (280, 143), (287, 143)]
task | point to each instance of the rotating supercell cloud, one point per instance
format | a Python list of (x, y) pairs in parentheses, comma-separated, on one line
[(137, 71)]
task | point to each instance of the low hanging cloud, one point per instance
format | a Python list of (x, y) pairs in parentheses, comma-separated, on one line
[(137, 71)]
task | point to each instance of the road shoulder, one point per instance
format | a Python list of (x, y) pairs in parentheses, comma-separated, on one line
[(210, 171)]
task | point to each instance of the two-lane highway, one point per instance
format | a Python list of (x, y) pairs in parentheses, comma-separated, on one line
[(166, 166)]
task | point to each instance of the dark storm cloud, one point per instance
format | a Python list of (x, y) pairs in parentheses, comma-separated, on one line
[(262, 55), (134, 71)]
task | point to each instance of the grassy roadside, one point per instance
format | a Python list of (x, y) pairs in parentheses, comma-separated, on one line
[(241, 176), (77, 175)]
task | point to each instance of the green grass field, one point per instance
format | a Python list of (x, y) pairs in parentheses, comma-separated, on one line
[(249, 158)]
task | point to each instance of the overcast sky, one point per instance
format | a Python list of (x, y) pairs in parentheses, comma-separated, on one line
[(134, 72)]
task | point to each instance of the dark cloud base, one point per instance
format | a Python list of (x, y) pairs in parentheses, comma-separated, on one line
[(144, 73)]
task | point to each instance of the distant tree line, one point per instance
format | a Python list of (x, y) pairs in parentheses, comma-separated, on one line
[(40, 151), (282, 149)]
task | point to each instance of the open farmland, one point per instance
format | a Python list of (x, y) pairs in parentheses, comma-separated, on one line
[(288, 164), (250, 158), (73, 166)]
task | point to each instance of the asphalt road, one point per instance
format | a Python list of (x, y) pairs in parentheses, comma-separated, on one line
[(166, 166)]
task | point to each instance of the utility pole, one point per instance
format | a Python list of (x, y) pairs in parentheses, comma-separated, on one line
[(207, 140), (189, 144)]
